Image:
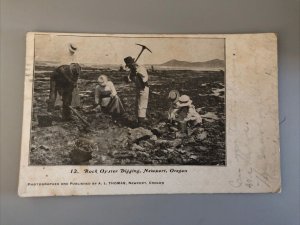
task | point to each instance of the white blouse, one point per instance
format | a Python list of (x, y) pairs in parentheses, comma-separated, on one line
[(100, 89)]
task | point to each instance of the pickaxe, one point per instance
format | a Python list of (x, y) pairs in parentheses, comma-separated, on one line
[(86, 123), (143, 48)]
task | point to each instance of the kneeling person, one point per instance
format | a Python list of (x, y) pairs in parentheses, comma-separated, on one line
[(185, 113), (106, 97)]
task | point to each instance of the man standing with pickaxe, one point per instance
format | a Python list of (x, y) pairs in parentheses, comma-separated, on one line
[(139, 75)]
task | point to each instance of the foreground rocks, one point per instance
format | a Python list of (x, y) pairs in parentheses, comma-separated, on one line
[(143, 147), (113, 145), (138, 134)]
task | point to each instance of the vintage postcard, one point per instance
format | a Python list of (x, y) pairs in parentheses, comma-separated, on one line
[(118, 114)]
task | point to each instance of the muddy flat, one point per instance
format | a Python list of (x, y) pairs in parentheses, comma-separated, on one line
[(120, 143)]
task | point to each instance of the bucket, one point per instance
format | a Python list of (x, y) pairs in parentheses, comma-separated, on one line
[(79, 155), (82, 150)]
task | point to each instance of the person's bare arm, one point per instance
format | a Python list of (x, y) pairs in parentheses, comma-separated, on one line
[(97, 96), (113, 90)]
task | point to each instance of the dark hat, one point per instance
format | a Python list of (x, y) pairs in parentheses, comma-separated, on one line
[(129, 60), (75, 68)]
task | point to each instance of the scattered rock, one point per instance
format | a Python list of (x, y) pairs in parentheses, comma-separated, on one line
[(202, 148), (170, 150), (94, 162), (201, 136), (165, 151), (185, 161), (103, 158), (154, 162), (138, 134), (143, 154), (210, 117), (175, 143), (44, 147), (33, 148), (180, 135), (147, 144), (161, 143), (153, 138), (159, 129), (136, 147), (189, 140), (174, 129), (113, 153), (194, 157), (198, 110), (125, 155), (160, 153), (181, 151)]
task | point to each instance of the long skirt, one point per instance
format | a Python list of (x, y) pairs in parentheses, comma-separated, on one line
[(115, 106)]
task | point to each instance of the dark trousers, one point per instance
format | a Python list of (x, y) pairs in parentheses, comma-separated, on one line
[(66, 92), (67, 100)]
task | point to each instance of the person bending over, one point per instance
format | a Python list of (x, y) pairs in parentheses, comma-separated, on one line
[(106, 97)]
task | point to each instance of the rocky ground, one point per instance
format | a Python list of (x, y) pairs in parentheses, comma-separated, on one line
[(110, 142)]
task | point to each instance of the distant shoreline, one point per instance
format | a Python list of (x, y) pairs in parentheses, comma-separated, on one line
[(117, 66)]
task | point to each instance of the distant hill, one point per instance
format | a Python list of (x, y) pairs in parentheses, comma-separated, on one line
[(211, 63)]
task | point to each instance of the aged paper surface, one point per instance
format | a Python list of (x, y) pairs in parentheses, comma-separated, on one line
[(145, 114)]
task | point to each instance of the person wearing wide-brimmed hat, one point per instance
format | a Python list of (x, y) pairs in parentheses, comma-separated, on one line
[(67, 57), (106, 97), (139, 75), (63, 80), (185, 113)]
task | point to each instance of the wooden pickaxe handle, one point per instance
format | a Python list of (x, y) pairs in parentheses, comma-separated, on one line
[(143, 48), (79, 116)]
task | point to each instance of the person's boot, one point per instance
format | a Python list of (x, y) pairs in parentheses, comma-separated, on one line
[(123, 119), (66, 114), (142, 122)]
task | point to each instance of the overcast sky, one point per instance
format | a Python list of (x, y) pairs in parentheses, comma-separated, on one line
[(112, 50)]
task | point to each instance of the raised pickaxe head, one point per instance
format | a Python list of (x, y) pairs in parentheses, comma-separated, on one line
[(143, 48)]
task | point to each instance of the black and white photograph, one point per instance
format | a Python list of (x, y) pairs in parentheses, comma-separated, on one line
[(128, 101)]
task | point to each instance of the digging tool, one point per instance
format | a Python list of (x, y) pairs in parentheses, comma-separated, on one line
[(79, 116), (143, 48)]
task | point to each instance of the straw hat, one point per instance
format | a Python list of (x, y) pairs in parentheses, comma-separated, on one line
[(174, 95), (184, 100), (72, 48), (102, 79)]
